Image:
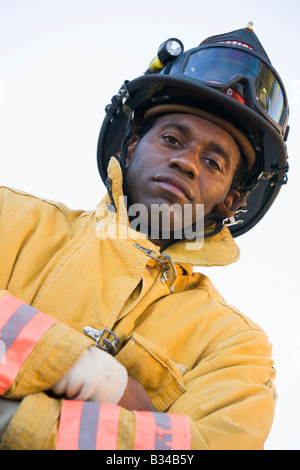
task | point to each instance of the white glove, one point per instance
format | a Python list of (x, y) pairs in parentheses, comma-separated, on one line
[(96, 376)]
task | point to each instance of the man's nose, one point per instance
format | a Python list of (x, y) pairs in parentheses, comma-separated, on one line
[(187, 161)]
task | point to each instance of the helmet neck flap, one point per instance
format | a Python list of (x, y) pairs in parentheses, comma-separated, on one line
[(232, 99)]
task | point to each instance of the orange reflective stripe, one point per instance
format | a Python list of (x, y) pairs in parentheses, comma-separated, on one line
[(21, 328), (108, 427), (88, 426), (69, 425), (144, 430), (161, 431), (181, 435)]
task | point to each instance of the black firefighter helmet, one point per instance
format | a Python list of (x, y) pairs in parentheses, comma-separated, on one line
[(228, 78)]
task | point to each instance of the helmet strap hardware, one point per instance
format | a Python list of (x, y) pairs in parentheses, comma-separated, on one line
[(266, 175), (274, 176), (117, 100), (229, 221)]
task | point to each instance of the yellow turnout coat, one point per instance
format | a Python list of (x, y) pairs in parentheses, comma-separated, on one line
[(206, 367)]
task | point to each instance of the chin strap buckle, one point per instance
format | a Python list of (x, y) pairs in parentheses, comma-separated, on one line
[(230, 221)]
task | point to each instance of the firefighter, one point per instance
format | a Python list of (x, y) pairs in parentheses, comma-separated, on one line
[(112, 341)]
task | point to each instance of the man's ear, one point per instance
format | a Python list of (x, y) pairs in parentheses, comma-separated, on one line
[(229, 206), (131, 148)]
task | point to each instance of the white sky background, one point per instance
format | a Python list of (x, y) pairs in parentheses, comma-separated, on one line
[(60, 63)]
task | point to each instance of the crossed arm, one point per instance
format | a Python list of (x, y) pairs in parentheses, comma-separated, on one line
[(96, 376), (44, 355)]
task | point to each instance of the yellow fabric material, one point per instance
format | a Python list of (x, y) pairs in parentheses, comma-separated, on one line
[(34, 426), (193, 353)]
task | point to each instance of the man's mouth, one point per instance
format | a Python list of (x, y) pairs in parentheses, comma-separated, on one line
[(175, 185)]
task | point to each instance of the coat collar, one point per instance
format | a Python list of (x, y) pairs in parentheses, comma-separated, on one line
[(218, 250)]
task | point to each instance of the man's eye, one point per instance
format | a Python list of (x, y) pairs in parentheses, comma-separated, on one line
[(171, 140), (213, 164)]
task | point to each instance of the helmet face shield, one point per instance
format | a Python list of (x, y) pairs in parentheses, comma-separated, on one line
[(220, 66)]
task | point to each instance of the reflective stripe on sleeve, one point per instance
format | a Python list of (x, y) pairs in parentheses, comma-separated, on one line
[(69, 425), (161, 431), (88, 426), (21, 328)]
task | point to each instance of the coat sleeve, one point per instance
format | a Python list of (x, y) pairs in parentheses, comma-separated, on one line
[(41, 422), (36, 350)]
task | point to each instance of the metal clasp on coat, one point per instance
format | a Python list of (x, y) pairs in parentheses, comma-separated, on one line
[(169, 271), (167, 264), (102, 339)]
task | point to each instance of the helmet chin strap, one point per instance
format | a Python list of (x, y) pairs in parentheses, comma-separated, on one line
[(123, 156)]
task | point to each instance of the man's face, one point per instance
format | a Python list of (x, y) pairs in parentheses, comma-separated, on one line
[(183, 160)]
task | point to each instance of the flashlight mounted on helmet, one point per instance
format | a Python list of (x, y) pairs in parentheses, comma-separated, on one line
[(168, 51)]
